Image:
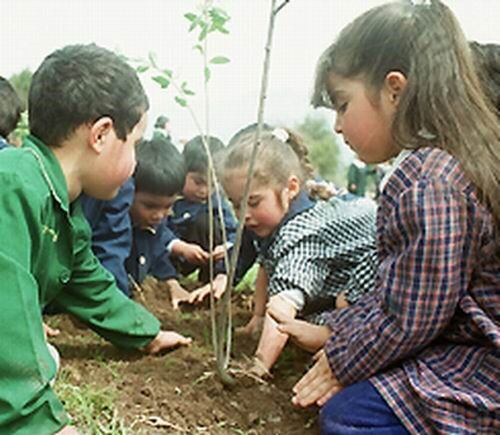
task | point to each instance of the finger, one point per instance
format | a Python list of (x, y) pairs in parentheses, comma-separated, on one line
[(203, 293), (326, 397), (185, 341)]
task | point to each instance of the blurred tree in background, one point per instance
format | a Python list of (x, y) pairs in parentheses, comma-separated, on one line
[(323, 148), (21, 83)]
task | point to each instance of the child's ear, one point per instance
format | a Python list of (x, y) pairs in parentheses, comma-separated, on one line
[(293, 187), (394, 84), (99, 132)]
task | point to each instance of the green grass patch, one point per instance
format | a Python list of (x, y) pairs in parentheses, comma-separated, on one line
[(90, 407)]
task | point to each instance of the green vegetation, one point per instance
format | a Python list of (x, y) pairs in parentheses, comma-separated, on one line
[(90, 407), (323, 148)]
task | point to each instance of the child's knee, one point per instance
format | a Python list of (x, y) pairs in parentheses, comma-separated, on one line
[(283, 305)]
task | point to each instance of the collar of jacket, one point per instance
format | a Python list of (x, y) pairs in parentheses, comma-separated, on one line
[(300, 204), (51, 170)]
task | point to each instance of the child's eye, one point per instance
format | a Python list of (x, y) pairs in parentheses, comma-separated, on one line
[(342, 108), (253, 203)]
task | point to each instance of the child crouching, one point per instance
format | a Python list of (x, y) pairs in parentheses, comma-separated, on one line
[(312, 254), (159, 178)]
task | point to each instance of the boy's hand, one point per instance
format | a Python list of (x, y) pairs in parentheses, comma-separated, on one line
[(178, 294), (50, 332), (68, 430), (192, 252), (306, 335), (167, 340), (201, 293), (218, 252), (317, 385)]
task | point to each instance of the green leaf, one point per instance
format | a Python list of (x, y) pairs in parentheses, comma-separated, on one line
[(218, 14), (162, 81), (168, 73), (221, 30), (185, 89), (204, 32), (142, 68), (199, 48), (181, 101), (207, 74), (190, 16), (219, 60)]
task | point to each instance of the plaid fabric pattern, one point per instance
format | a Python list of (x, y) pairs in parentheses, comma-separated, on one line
[(324, 250), (428, 337)]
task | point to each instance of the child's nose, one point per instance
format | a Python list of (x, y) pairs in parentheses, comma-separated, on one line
[(337, 124)]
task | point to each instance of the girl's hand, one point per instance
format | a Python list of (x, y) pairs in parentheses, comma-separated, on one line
[(317, 385), (167, 340), (306, 335)]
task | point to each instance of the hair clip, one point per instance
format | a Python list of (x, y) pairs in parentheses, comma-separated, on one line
[(281, 134)]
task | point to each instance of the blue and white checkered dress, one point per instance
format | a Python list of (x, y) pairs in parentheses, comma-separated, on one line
[(322, 251)]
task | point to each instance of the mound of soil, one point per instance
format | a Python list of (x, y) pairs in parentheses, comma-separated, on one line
[(180, 392)]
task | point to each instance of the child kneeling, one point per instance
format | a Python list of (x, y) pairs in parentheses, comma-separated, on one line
[(312, 254)]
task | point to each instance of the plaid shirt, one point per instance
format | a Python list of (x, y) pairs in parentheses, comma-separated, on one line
[(428, 338), (321, 250)]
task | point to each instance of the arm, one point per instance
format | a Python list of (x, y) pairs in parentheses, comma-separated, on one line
[(419, 285), (91, 295), (255, 324)]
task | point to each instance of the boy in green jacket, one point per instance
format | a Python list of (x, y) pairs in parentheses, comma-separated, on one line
[(87, 109)]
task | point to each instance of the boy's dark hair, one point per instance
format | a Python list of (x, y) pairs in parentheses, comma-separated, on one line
[(160, 168), (11, 107), (79, 84), (195, 155)]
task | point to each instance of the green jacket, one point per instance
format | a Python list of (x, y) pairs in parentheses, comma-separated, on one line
[(45, 256)]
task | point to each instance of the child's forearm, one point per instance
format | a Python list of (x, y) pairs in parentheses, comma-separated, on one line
[(271, 343), (260, 296)]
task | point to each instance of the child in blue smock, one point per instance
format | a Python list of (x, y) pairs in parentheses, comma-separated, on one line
[(159, 178), (190, 221), (11, 108)]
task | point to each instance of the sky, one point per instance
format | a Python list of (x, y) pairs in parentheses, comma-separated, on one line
[(31, 29)]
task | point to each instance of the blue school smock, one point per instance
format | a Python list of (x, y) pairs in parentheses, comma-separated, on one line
[(112, 231), (45, 257), (185, 214), (3, 143), (149, 255)]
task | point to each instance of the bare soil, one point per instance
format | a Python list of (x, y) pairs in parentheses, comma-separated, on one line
[(179, 392)]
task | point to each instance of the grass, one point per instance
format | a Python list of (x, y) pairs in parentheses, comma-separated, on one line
[(90, 407)]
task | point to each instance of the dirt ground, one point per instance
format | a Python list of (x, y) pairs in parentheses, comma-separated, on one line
[(179, 392)]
